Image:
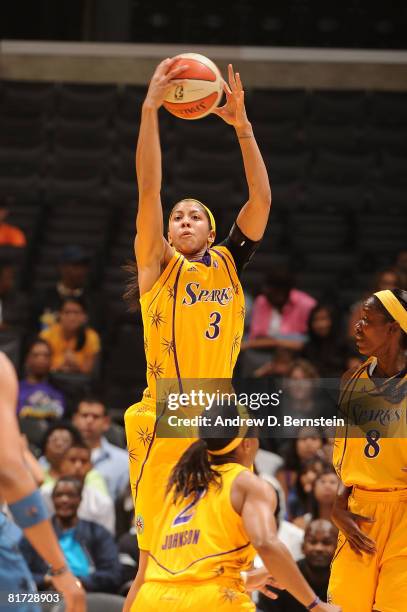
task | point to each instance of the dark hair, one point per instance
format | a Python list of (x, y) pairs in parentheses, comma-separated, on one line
[(79, 444), (401, 295), (280, 277), (76, 436), (329, 469), (334, 316), (197, 202), (70, 480), (36, 341), (90, 398), (131, 293), (382, 272), (308, 466), (290, 454), (194, 471), (81, 333)]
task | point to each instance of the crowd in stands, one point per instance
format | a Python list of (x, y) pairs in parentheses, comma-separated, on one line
[(76, 451)]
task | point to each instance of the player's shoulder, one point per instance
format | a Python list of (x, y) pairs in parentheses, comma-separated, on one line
[(247, 481), (352, 372)]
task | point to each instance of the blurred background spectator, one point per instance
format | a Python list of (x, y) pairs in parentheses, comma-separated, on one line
[(279, 319), (108, 460), (325, 348), (307, 445), (37, 397), (73, 282), (96, 504), (89, 549), (75, 346), (319, 548), (58, 438)]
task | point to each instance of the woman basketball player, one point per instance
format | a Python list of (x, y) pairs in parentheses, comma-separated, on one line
[(369, 570), (191, 299), (216, 514)]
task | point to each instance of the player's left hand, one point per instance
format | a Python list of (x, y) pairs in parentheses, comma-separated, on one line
[(234, 111), (259, 580)]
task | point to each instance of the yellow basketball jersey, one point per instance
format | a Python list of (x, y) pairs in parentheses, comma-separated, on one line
[(201, 538), (371, 449), (193, 319)]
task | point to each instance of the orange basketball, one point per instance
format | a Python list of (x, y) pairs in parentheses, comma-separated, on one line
[(201, 91)]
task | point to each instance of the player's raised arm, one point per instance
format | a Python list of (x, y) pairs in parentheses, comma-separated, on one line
[(150, 245), (253, 217), (25, 502), (257, 503)]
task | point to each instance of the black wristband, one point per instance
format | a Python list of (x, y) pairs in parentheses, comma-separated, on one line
[(314, 604), (57, 572)]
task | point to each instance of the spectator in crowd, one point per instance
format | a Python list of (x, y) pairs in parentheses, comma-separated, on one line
[(96, 504), (280, 313), (307, 445), (301, 495), (279, 319), (13, 304), (89, 549), (401, 268), (384, 279), (59, 437), (37, 397), (73, 282), (9, 234), (319, 548), (299, 398), (324, 491), (279, 367), (75, 346), (325, 347), (110, 461)]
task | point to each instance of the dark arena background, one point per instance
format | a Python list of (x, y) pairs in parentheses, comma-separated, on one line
[(326, 92)]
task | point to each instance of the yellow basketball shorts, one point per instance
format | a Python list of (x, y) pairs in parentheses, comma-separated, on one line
[(161, 596), (151, 460), (379, 581)]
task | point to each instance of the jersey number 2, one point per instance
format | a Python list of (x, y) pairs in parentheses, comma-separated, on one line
[(213, 330), (186, 515)]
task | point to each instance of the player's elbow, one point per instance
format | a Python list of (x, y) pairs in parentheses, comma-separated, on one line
[(264, 543), (11, 471)]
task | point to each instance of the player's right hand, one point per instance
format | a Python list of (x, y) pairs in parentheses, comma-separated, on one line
[(72, 592), (162, 81), (347, 523)]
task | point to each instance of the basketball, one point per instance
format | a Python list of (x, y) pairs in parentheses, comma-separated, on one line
[(200, 93)]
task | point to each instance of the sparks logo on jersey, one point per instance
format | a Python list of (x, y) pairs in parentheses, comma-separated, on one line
[(195, 294), (139, 523)]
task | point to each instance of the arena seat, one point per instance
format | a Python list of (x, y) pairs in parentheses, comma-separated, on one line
[(337, 108), (92, 105)]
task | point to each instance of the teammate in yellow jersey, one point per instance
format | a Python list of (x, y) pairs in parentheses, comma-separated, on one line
[(215, 516), (369, 569), (191, 299)]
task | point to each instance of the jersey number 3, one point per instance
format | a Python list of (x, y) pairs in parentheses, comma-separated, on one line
[(213, 330), (372, 448)]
